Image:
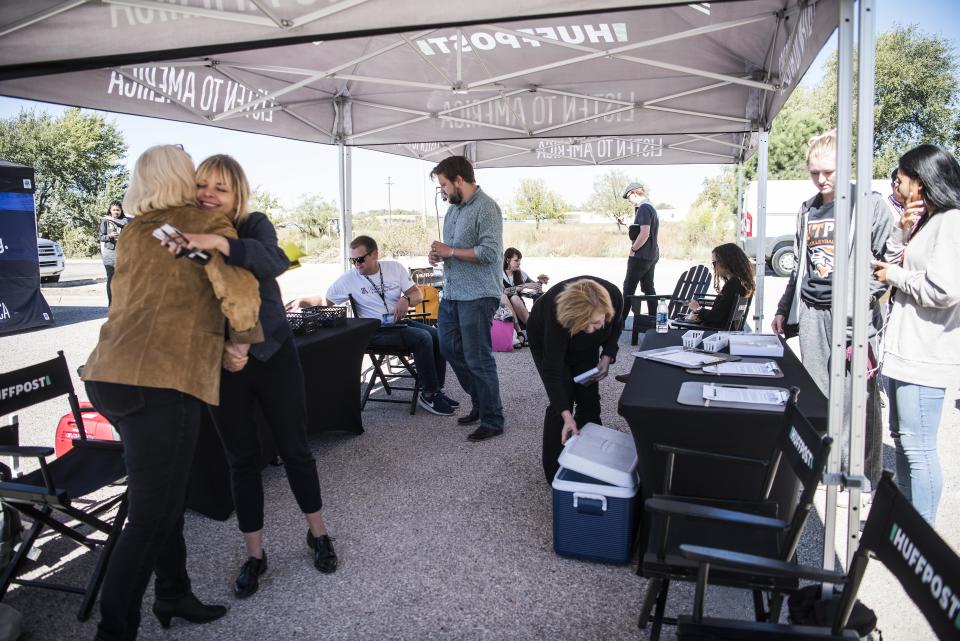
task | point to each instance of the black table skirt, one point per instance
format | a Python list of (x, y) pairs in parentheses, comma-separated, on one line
[(331, 360), (649, 404)]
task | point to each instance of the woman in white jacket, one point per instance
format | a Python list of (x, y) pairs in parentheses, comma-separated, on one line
[(922, 341)]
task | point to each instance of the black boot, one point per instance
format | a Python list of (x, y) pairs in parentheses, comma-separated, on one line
[(324, 558), (188, 608), (248, 580)]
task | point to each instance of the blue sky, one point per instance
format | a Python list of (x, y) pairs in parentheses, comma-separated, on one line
[(289, 169)]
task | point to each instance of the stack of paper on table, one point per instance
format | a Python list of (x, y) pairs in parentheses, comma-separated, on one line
[(744, 394), (733, 368), (755, 345)]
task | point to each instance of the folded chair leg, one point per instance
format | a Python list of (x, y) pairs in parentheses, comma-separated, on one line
[(658, 613), (776, 605), (654, 586), (26, 544), (96, 579), (759, 611)]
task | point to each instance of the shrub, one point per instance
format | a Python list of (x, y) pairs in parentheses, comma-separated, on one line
[(79, 243), (704, 229)]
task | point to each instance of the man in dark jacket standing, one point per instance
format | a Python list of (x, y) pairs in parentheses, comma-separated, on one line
[(644, 250)]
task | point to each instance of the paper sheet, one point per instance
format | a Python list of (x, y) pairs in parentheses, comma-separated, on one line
[(744, 394), (765, 368), (684, 358)]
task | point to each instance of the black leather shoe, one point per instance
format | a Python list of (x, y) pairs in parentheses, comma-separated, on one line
[(188, 608), (472, 417), (483, 432), (249, 578), (623, 378), (324, 558)]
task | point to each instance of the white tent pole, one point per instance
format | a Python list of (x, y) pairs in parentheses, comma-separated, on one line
[(741, 239), (861, 253), (839, 281), (346, 204), (761, 230)]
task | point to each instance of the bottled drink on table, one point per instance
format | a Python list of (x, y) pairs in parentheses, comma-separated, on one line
[(662, 317)]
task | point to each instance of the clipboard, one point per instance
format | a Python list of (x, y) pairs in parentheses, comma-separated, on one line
[(691, 393), (710, 357), (778, 372)]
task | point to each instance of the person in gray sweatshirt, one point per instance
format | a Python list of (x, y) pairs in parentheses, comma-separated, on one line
[(110, 226), (807, 299), (922, 340)]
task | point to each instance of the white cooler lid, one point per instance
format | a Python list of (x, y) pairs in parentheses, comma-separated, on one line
[(602, 453)]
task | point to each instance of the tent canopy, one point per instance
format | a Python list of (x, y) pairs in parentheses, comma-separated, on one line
[(510, 84)]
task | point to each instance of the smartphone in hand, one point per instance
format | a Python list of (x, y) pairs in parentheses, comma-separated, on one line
[(169, 234), (586, 378)]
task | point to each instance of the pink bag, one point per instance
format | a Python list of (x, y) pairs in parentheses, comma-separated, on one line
[(501, 336)]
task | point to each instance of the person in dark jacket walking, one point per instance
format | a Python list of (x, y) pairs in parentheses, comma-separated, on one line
[(110, 227), (269, 375), (568, 326), (644, 249)]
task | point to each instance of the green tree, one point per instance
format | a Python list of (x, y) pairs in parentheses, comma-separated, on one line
[(263, 201), (77, 160), (314, 214), (916, 95), (534, 200), (607, 197)]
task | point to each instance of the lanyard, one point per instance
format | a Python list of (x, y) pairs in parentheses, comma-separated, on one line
[(381, 292)]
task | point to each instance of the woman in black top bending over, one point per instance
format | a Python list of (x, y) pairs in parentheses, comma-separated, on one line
[(572, 324), (733, 267)]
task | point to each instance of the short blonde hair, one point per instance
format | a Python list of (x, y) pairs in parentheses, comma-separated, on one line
[(579, 302), (235, 178), (163, 177), (822, 146)]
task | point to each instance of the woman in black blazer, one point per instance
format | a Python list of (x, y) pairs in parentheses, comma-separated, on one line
[(573, 328), (731, 266)]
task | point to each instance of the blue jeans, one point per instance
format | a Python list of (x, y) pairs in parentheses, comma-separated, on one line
[(424, 342), (914, 418), (465, 342)]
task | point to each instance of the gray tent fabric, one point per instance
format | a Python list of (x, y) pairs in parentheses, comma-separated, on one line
[(670, 84)]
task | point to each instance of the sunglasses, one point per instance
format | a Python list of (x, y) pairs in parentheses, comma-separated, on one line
[(359, 259)]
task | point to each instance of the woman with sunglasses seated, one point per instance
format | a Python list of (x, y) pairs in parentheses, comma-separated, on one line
[(731, 266), (517, 283)]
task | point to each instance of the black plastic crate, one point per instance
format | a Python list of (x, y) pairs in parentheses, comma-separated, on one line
[(310, 319)]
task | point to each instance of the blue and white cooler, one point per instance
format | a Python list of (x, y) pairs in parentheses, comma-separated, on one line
[(594, 496)]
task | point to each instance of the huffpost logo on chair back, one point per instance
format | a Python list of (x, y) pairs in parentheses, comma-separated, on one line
[(34, 384), (926, 567)]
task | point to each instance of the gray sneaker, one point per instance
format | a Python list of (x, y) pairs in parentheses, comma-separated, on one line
[(435, 404)]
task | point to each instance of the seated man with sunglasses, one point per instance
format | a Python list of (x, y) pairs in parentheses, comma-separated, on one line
[(383, 290)]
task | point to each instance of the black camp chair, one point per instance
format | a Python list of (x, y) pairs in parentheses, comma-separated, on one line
[(894, 533), (733, 323), (744, 526), (55, 489), (693, 283), (387, 365)]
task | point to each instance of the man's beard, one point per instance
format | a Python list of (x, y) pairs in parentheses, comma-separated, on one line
[(456, 197)]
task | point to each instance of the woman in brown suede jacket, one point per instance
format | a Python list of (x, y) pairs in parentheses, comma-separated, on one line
[(156, 364)]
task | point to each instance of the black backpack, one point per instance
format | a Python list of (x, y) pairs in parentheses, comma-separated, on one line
[(11, 528), (808, 607)]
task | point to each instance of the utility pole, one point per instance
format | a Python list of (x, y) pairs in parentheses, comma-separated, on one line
[(389, 204)]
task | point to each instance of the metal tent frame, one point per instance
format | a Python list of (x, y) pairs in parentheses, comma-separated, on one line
[(538, 83)]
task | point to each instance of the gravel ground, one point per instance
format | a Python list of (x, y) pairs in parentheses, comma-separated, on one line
[(439, 538)]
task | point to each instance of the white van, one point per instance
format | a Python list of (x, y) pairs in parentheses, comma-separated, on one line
[(784, 198)]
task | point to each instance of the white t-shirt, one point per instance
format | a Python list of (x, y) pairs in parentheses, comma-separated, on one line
[(366, 289)]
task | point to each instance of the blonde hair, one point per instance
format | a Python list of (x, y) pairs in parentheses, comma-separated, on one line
[(579, 302), (822, 146), (235, 179), (163, 177)]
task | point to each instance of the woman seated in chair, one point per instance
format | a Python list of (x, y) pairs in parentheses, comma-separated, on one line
[(516, 283), (733, 267)]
